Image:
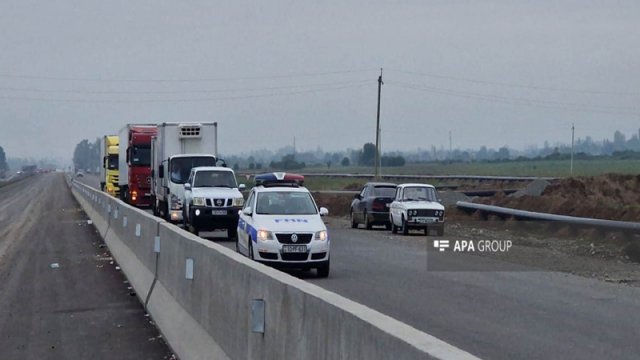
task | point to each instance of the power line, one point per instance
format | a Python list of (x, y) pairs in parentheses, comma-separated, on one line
[(518, 101), (260, 77), (513, 85), (143, 92), (184, 100)]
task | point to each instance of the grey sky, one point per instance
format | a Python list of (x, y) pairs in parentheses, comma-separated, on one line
[(48, 47)]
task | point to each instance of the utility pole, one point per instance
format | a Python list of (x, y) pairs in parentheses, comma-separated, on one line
[(377, 158), (294, 146), (450, 147), (572, 137)]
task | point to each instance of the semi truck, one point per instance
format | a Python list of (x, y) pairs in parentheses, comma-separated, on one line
[(175, 150), (109, 170), (135, 163)]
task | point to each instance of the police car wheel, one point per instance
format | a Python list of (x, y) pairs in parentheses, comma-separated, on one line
[(250, 250), (323, 270)]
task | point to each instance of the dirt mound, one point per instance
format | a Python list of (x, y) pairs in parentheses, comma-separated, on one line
[(611, 196)]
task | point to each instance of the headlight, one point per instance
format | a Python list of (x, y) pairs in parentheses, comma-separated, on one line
[(320, 235), (264, 235), (176, 204), (198, 201), (238, 201)]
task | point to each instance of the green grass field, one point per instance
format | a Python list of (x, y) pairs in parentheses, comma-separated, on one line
[(541, 168), (551, 168)]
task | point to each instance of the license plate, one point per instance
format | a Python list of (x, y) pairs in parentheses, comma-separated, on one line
[(218, 212), (424, 220), (294, 248)]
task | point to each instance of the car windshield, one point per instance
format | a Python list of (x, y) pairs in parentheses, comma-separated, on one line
[(418, 193), (112, 162), (285, 203), (384, 191), (181, 167), (140, 156), (214, 178)]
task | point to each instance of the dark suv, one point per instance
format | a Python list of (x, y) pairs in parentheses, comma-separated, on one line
[(371, 206)]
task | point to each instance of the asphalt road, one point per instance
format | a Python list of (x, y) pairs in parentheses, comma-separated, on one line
[(80, 310)]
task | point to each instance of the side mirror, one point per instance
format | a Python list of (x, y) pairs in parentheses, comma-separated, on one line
[(324, 211), (357, 196), (242, 187), (247, 211), (187, 186), (161, 171), (439, 200)]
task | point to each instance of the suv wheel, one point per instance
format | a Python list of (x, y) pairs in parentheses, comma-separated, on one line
[(232, 233)]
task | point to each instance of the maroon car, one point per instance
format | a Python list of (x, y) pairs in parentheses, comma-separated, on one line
[(371, 206)]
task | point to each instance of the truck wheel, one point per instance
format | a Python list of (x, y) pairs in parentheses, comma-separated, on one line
[(154, 206)]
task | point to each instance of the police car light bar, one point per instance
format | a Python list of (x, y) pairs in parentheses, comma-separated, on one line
[(279, 178)]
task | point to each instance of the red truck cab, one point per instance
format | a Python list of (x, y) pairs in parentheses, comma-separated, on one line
[(137, 189)]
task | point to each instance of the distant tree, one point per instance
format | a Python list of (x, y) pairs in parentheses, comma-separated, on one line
[(368, 155), (503, 153), (619, 140), (258, 166), (345, 161), (3, 161), (236, 167), (392, 160), (288, 162)]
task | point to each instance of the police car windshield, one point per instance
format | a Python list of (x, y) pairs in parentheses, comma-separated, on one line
[(214, 179), (419, 193), (285, 203)]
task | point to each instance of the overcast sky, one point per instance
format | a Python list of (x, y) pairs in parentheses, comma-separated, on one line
[(512, 73)]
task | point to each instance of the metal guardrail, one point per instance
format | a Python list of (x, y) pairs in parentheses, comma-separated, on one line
[(572, 220), (435, 177), (419, 177)]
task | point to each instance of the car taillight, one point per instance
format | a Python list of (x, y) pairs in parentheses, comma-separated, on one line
[(134, 195), (378, 205)]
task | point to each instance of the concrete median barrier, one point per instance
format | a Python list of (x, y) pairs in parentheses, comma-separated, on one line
[(212, 303)]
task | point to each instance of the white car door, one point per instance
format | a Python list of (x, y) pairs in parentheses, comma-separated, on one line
[(396, 210), (245, 223)]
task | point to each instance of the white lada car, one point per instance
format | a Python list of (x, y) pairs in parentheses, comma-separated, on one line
[(416, 206), (280, 225)]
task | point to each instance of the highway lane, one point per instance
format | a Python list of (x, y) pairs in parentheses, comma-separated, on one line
[(79, 310), (493, 315)]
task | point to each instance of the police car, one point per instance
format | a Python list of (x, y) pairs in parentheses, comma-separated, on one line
[(280, 225)]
